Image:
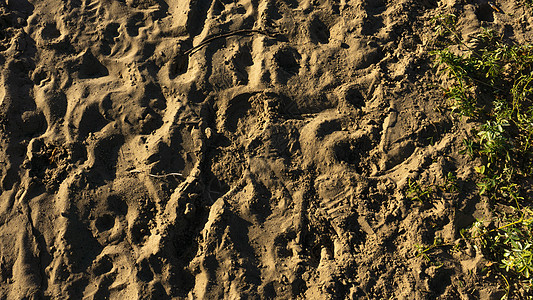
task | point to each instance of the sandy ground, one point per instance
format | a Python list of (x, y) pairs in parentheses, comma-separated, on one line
[(246, 149)]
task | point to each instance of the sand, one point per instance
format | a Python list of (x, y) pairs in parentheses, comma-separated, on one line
[(247, 149)]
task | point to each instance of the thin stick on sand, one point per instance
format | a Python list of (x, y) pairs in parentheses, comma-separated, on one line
[(156, 175), (228, 34)]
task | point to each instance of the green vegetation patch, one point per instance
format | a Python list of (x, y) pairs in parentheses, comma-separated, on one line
[(490, 82)]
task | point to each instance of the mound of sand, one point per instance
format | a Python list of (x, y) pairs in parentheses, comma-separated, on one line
[(229, 149)]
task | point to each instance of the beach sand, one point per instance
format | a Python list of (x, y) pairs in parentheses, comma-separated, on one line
[(247, 149)]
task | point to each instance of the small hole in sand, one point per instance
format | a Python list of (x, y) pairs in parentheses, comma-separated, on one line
[(50, 32), (105, 222)]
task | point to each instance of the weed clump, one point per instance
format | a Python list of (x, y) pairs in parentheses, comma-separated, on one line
[(416, 192), (491, 84)]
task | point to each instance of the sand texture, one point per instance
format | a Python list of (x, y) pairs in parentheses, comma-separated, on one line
[(246, 149)]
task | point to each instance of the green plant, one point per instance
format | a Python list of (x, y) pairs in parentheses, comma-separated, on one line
[(491, 83), (470, 147), (450, 184), (415, 192), (494, 143), (461, 101), (519, 258), (425, 251), (504, 74), (445, 28), (526, 2), (425, 194), (511, 244), (421, 251)]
